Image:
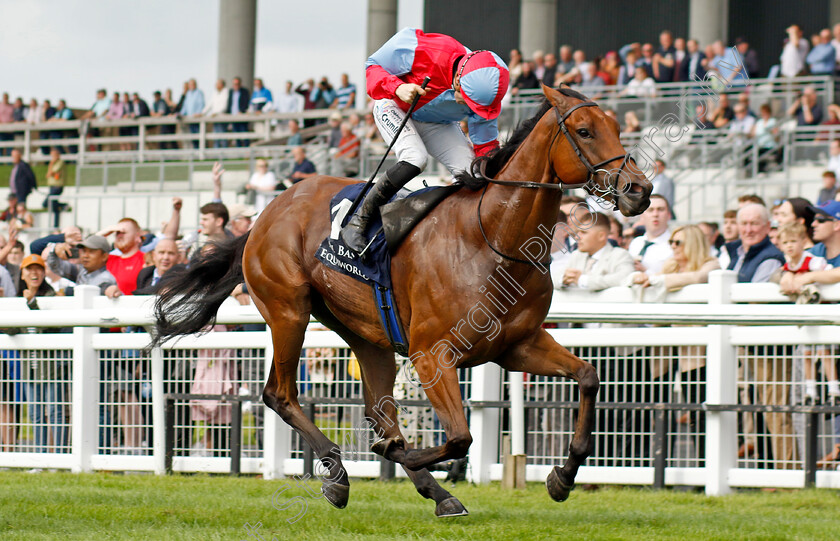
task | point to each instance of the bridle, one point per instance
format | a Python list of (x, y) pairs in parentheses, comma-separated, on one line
[(478, 170)]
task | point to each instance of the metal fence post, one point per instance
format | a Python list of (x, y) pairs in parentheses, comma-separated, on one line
[(277, 436), (85, 412), (660, 447), (236, 437), (141, 145), (721, 388), (484, 422), (169, 443), (387, 469), (811, 432), (517, 413), (308, 451)]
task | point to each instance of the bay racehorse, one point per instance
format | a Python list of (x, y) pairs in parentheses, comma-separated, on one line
[(465, 294)]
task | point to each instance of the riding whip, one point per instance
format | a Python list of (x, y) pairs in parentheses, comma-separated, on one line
[(365, 190)]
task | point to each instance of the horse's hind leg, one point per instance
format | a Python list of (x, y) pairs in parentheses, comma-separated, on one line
[(543, 356), (288, 326)]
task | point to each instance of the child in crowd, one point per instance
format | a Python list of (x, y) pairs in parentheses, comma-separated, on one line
[(792, 238)]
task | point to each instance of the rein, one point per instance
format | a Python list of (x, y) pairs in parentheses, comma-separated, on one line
[(480, 172)]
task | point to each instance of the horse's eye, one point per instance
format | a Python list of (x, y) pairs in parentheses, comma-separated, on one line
[(583, 132)]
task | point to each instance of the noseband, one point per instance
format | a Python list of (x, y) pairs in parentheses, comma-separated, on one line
[(560, 185)]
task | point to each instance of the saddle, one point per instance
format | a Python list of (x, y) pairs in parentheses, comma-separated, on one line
[(385, 234)]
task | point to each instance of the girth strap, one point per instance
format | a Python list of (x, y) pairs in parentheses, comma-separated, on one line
[(390, 318)]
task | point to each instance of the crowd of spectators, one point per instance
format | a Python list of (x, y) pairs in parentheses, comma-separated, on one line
[(122, 259), (234, 99), (793, 242)]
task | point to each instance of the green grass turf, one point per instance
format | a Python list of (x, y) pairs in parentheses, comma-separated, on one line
[(107, 506)]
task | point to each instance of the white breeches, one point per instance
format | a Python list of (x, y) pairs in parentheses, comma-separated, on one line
[(418, 140)]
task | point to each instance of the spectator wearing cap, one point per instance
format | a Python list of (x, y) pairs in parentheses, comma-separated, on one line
[(240, 219), (165, 257), (92, 268), (44, 380)]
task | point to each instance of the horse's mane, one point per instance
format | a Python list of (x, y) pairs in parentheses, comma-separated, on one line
[(497, 160)]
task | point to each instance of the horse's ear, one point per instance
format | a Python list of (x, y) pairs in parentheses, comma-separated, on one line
[(555, 97)]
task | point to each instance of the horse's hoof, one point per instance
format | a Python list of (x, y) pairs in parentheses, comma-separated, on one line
[(557, 489), (336, 494), (450, 507)]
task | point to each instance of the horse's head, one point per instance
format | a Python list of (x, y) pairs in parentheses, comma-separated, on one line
[(586, 152)]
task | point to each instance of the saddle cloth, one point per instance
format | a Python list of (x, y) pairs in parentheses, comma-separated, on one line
[(400, 216)]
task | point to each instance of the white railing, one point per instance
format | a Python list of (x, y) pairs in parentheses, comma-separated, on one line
[(169, 137), (733, 332)]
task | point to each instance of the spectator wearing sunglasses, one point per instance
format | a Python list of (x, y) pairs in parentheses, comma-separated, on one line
[(691, 262)]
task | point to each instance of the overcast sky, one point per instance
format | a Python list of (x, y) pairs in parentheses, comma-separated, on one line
[(68, 48)]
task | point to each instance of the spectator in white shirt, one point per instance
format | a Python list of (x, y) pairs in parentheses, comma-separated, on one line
[(651, 250), (289, 101), (217, 106), (794, 53), (264, 183), (641, 85), (743, 123), (834, 157)]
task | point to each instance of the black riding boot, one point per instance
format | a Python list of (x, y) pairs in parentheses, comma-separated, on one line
[(353, 234)]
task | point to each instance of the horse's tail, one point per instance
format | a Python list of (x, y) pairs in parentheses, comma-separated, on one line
[(189, 301)]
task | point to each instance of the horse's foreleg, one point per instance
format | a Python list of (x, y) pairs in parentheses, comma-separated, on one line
[(543, 356), (442, 390), (378, 373)]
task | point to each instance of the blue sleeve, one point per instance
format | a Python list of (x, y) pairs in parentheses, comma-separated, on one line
[(307, 167), (482, 130), (623, 52), (396, 56), (38, 245), (7, 284)]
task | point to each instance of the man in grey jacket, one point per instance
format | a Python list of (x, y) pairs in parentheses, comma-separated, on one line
[(91, 270)]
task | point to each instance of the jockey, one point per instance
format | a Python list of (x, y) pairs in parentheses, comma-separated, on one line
[(463, 84)]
